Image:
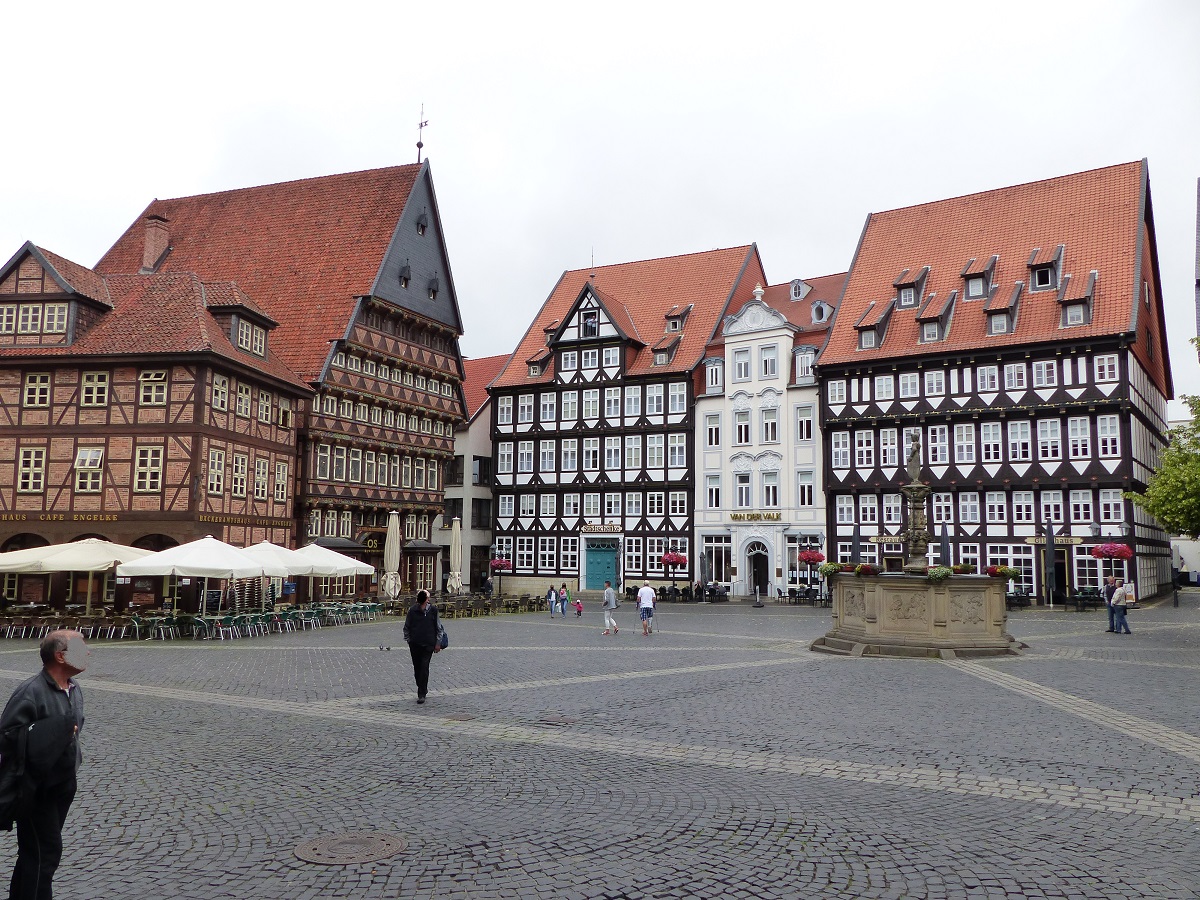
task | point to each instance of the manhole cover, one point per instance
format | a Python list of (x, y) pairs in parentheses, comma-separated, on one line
[(351, 848)]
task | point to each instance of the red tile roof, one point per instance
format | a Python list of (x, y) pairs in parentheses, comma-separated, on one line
[(164, 314), (1095, 215), (638, 294), (478, 374), (81, 279), (303, 250)]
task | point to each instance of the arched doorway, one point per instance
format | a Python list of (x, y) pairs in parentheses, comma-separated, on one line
[(757, 568), (23, 541), (155, 542)]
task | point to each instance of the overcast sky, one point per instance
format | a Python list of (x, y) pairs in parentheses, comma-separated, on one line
[(627, 130)]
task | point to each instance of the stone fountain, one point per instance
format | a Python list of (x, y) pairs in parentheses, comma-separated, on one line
[(909, 615)]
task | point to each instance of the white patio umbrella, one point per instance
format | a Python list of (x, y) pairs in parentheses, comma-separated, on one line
[(330, 562), (454, 583), (90, 555), (205, 558), (295, 563), (390, 582)]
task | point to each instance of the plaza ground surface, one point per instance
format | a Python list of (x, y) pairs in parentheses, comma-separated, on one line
[(717, 758)]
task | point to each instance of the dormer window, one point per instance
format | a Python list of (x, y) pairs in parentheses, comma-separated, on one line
[(405, 275), (805, 357), (433, 288), (714, 375), (422, 223), (866, 339), (661, 358), (673, 324), (930, 332), (998, 323), (1043, 278), (820, 312), (534, 370), (976, 287), (907, 297), (589, 323), (1074, 314)]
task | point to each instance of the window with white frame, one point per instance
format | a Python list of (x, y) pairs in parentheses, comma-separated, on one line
[(633, 402), (546, 505), (94, 390), (281, 482), (591, 358), (504, 410), (987, 379), (990, 440), (147, 470), (964, 443), (37, 390), (943, 508), (591, 454), (8, 318), (770, 490), (968, 507), (1079, 431), (939, 450), (770, 426), (1108, 434), (216, 471), (526, 503), (996, 514), (712, 431), (152, 387), (570, 455), (633, 453), (655, 548), (741, 428), (633, 504), (30, 318), (712, 496), (1022, 507), (1019, 449), (654, 399), (570, 505), (1081, 507), (888, 449), (548, 404), (742, 496), (505, 505), (591, 403), (804, 488), (1049, 439), (654, 451), (678, 398), (1052, 507), (839, 444), (504, 458), (1106, 367), (741, 365), (714, 376), (892, 509), (655, 503), (935, 383), (570, 406), (1014, 377), (998, 323), (929, 331), (805, 358), (524, 560), (238, 470), (612, 403), (912, 436), (868, 509), (546, 456), (866, 339), (570, 361), (677, 503), (88, 461), (321, 464), (836, 391), (968, 555), (768, 361), (547, 554), (676, 451), (864, 449), (612, 455), (843, 505), (612, 356), (910, 385), (885, 387), (1045, 374), (1112, 505), (525, 456), (525, 408), (633, 555), (264, 406), (243, 402), (804, 423)]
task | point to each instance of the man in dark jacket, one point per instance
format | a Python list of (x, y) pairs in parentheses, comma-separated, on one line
[(421, 632), (43, 718)]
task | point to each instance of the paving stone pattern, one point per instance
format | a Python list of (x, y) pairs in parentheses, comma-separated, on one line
[(716, 758)]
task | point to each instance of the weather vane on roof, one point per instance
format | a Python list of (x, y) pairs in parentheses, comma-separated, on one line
[(420, 128)]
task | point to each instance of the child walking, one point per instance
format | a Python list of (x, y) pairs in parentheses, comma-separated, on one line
[(578, 608)]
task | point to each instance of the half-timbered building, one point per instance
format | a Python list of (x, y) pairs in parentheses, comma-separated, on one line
[(760, 493), (147, 409), (593, 423), (1019, 334), (354, 269)]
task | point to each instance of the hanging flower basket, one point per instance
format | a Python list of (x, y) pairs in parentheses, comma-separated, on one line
[(812, 557), (501, 565), (1112, 551), (672, 559), (863, 569)]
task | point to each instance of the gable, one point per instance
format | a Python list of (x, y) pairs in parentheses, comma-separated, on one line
[(589, 320), (25, 274)]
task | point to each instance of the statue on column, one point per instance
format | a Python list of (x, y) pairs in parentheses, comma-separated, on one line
[(916, 538)]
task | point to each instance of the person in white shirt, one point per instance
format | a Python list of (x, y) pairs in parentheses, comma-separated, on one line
[(610, 604), (646, 601), (1120, 598)]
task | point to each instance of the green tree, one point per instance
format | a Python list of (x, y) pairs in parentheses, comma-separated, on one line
[(1173, 494)]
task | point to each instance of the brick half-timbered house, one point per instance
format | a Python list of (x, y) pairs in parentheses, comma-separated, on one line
[(593, 420), (1020, 334), (147, 409), (354, 268)]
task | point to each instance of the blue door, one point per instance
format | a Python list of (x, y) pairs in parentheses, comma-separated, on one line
[(601, 564)]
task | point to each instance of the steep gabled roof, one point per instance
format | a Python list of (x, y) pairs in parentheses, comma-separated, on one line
[(70, 277), (478, 374), (304, 250), (646, 290), (1089, 220)]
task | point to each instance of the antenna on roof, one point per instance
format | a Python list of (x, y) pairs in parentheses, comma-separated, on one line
[(593, 275), (420, 128)]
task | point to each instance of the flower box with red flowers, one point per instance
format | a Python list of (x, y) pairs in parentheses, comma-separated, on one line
[(501, 565), (812, 557), (670, 559), (865, 569), (1112, 551)]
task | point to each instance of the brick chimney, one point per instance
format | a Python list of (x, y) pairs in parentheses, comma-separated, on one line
[(157, 244)]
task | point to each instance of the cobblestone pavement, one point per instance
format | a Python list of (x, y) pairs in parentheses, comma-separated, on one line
[(717, 758)]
